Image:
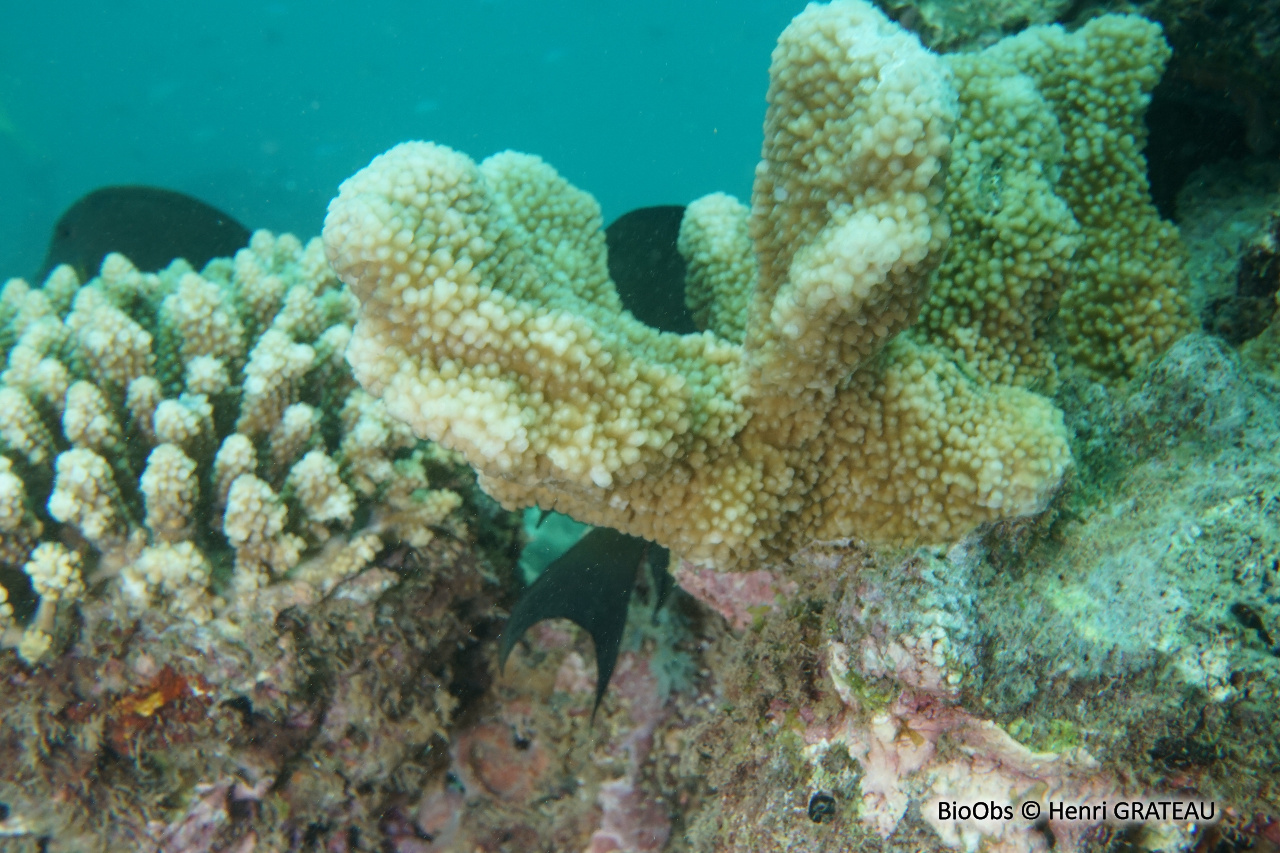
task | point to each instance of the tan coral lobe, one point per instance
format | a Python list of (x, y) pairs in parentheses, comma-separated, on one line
[(488, 323)]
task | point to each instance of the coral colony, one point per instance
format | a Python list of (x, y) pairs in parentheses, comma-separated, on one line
[(814, 405), (254, 597), (161, 467)]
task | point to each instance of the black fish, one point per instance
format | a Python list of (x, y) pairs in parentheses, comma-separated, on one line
[(663, 582), (647, 268), (148, 225), (590, 585)]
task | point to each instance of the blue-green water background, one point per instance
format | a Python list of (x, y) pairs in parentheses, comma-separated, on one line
[(262, 108)]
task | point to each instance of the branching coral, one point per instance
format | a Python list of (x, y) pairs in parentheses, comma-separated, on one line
[(488, 323), (196, 434)]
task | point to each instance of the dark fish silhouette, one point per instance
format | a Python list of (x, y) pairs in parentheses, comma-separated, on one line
[(663, 582), (590, 585), (148, 225), (647, 268)]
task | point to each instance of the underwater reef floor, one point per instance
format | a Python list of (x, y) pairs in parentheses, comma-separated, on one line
[(1120, 645)]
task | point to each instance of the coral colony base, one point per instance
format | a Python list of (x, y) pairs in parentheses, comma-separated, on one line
[(252, 598)]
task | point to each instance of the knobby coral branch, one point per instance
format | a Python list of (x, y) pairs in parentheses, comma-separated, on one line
[(489, 324)]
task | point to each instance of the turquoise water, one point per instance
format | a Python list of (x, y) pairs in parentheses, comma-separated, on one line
[(262, 108)]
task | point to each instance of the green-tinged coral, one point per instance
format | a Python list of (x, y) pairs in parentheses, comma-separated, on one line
[(1012, 237), (488, 323), (1125, 303), (197, 435), (1057, 251)]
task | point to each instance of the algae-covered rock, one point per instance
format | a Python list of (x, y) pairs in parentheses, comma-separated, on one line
[(1123, 645)]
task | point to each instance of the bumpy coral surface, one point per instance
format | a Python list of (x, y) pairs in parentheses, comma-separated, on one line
[(1120, 647), (196, 435), (488, 323), (1057, 253), (1124, 304)]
